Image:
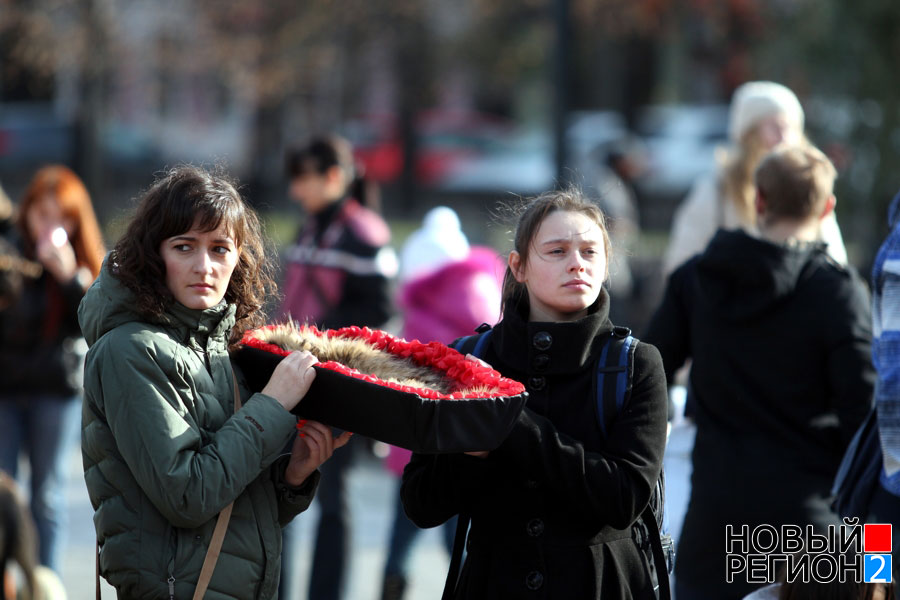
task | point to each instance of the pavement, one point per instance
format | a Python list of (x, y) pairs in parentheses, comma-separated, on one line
[(372, 493)]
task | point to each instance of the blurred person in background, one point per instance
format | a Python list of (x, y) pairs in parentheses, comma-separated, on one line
[(18, 544), (780, 337), (447, 289), (10, 259), (336, 274), (41, 348), (884, 506), (763, 114), (615, 167), (6, 213)]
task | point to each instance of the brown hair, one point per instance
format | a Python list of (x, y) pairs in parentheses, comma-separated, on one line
[(183, 196), (795, 181), (68, 191), (531, 213)]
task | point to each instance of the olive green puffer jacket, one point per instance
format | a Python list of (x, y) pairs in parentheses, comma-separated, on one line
[(164, 452)]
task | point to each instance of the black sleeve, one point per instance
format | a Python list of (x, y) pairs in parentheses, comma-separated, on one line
[(669, 328), (851, 375), (436, 487), (365, 301), (611, 486)]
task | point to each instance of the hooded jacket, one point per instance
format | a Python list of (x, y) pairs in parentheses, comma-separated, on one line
[(337, 273), (780, 340), (707, 208), (552, 507), (164, 452)]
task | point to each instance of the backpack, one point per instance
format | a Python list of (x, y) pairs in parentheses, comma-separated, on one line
[(857, 477), (612, 388)]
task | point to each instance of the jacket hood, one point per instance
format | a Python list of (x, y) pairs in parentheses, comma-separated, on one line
[(109, 304), (740, 276)]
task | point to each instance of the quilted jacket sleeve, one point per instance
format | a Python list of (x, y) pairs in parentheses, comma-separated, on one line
[(188, 479)]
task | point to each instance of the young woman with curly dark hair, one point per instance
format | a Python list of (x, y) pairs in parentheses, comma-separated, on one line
[(167, 444)]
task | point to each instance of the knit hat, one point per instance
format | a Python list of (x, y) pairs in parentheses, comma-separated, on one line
[(756, 100), (439, 241)]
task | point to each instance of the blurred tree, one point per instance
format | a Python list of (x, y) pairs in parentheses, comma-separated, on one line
[(306, 66)]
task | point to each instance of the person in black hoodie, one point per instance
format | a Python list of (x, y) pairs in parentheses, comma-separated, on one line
[(780, 339), (553, 508)]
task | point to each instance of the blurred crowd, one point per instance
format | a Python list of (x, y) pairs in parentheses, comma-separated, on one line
[(764, 327)]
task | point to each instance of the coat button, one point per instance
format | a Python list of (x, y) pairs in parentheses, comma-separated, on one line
[(534, 580), (542, 341), (541, 362), (535, 527), (537, 383)]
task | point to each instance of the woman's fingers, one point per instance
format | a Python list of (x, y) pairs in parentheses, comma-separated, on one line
[(324, 437), (343, 439)]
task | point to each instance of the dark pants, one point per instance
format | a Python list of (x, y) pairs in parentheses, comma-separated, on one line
[(403, 536), (332, 548)]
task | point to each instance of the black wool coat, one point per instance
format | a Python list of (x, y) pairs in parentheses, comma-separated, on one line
[(552, 507), (780, 339)]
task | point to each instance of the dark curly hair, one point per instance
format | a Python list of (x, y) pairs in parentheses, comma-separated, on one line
[(182, 197)]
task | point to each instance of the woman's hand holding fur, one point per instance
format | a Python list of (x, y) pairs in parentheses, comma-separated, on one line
[(291, 379), (312, 447)]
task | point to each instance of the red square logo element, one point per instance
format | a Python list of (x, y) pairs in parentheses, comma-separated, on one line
[(877, 538)]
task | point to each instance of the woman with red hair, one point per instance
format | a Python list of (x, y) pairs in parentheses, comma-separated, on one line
[(41, 350)]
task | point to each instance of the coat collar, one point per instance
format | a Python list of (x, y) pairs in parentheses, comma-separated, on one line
[(552, 348), (206, 326)]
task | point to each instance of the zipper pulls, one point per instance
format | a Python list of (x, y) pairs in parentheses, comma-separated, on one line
[(171, 582)]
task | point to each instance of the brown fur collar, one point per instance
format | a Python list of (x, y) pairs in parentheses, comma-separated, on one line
[(360, 354)]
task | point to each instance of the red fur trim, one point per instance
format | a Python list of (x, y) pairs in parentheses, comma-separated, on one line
[(467, 373)]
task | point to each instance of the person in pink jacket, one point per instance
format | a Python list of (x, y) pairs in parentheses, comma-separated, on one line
[(447, 289)]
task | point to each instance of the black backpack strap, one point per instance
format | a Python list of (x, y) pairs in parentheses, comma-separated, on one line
[(475, 345), (613, 384), (614, 375)]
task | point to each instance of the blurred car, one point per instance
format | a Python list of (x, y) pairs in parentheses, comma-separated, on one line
[(31, 134), (524, 162), (443, 137), (680, 143)]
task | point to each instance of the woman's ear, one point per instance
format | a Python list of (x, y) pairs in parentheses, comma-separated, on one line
[(515, 265)]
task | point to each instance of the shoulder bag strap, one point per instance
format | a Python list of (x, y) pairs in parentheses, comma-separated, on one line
[(664, 591), (97, 571), (218, 536)]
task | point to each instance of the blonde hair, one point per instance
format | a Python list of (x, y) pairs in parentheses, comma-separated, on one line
[(738, 166), (795, 181)]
